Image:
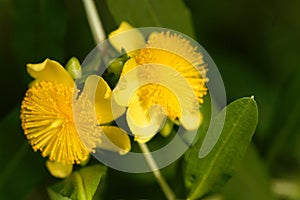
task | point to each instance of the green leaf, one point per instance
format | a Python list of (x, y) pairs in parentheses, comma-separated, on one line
[(160, 13), (209, 174), (81, 185)]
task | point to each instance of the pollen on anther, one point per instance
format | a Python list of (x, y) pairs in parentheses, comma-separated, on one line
[(48, 122)]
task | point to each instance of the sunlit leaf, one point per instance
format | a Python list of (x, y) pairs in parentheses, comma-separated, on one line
[(209, 174)]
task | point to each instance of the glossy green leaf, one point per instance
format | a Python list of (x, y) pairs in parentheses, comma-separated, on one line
[(208, 174), (155, 13), (81, 185)]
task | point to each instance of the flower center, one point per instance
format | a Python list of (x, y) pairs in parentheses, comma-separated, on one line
[(157, 94), (49, 125)]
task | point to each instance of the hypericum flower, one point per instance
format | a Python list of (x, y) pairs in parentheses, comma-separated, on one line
[(169, 72), (62, 124)]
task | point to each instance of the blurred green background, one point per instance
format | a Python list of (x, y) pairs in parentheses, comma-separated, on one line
[(254, 43)]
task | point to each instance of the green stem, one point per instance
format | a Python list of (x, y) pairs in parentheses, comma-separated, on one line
[(170, 195), (94, 21)]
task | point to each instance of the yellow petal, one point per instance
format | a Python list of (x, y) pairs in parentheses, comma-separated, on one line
[(129, 65), (50, 70), (59, 170), (144, 122), (115, 139), (128, 83), (126, 37), (100, 93), (178, 94)]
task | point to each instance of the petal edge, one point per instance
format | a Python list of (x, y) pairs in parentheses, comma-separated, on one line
[(50, 70)]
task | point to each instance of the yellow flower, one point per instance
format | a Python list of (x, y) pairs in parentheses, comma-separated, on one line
[(64, 125), (168, 72)]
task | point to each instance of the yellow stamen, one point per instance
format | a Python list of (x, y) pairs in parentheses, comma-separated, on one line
[(154, 94), (49, 125), (174, 51)]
